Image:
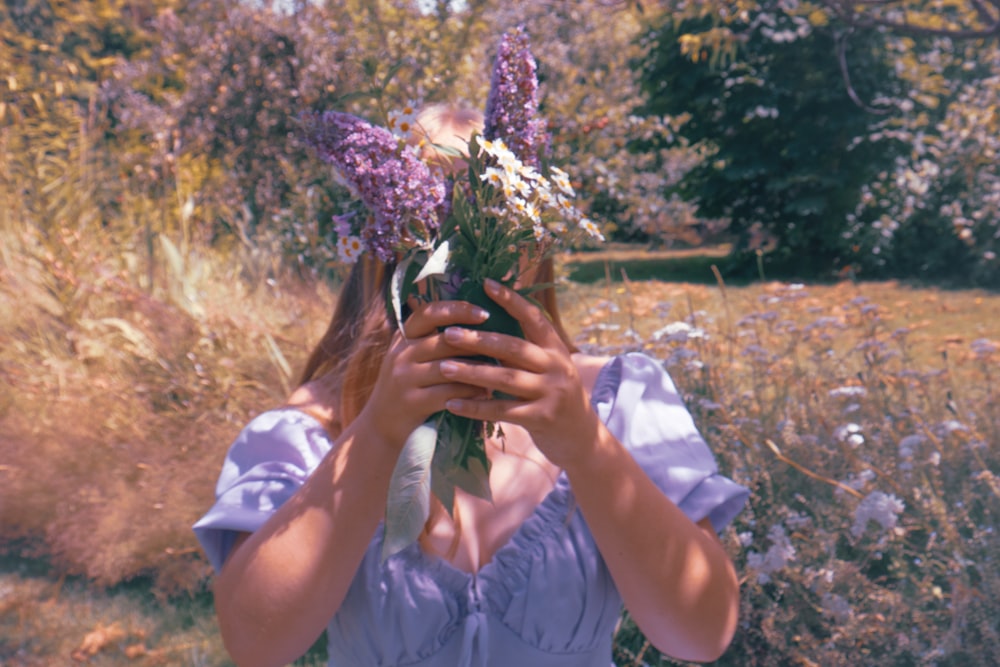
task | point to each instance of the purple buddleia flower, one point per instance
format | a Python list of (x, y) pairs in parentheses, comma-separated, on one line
[(513, 100), (403, 196)]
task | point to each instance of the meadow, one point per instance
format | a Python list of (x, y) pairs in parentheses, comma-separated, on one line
[(863, 416)]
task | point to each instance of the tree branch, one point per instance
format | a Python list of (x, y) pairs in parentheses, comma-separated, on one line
[(845, 73)]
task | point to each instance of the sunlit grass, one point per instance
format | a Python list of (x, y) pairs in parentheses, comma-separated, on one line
[(50, 620)]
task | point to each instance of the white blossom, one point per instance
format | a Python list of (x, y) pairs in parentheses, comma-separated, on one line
[(883, 508), (775, 558)]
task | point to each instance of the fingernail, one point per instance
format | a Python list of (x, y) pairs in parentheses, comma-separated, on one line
[(448, 367), (452, 334), (482, 313), (492, 286), (453, 404)]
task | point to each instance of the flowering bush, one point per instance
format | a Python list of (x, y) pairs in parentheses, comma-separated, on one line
[(445, 242)]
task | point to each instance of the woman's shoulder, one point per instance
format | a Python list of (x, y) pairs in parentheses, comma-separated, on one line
[(317, 402), (589, 367)]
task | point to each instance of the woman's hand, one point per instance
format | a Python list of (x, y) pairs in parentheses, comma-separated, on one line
[(549, 399), (410, 385)]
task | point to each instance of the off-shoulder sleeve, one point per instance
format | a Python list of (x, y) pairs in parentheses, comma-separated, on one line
[(639, 403), (265, 465)]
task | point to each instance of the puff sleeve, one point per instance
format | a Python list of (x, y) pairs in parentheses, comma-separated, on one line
[(267, 463), (638, 402)]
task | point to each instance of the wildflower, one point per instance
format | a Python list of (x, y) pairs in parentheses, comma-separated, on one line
[(513, 100), (983, 347), (396, 187), (858, 482), (678, 332), (342, 225), (880, 507), (850, 434), (951, 426), (493, 176), (777, 556), (349, 248), (847, 392), (401, 122), (908, 444), (591, 229), (561, 181), (836, 606)]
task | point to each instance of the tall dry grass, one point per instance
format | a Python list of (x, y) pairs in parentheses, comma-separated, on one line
[(128, 360)]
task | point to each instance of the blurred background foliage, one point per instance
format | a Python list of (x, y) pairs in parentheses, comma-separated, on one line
[(832, 141)]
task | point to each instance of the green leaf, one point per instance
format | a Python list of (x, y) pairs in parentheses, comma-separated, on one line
[(460, 460), (408, 503), (475, 480)]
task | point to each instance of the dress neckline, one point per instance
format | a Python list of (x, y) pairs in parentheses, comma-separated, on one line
[(518, 547)]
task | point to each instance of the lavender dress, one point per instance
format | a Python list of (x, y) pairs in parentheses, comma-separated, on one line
[(546, 598)]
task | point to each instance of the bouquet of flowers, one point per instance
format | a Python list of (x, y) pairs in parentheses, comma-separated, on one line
[(446, 238)]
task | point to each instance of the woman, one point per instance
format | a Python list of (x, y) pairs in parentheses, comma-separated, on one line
[(603, 494)]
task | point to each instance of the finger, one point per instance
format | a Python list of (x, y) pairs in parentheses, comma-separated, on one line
[(512, 381), (435, 397), (423, 354), (533, 320), (493, 410), (511, 411), (509, 350), (429, 317)]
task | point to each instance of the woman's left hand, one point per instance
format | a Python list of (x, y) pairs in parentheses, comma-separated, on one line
[(545, 394)]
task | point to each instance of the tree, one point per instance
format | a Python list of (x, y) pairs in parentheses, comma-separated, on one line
[(936, 212), (778, 132)]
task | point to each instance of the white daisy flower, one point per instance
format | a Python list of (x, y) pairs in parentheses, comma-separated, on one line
[(561, 180), (349, 248)]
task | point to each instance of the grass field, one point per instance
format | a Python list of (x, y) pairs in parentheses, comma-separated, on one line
[(116, 410)]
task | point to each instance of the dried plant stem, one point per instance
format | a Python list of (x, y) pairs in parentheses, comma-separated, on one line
[(809, 473), (729, 314)]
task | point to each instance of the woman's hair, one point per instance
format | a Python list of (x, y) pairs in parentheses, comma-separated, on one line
[(350, 353), (442, 125)]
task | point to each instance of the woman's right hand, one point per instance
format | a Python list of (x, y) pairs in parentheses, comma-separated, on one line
[(410, 387)]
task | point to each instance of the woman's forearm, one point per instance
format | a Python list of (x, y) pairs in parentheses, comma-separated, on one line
[(675, 577), (279, 588)]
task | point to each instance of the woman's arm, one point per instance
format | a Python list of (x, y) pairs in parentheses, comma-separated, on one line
[(675, 577), (281, 585)]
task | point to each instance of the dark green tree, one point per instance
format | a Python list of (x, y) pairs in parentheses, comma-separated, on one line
[(785, 145)]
